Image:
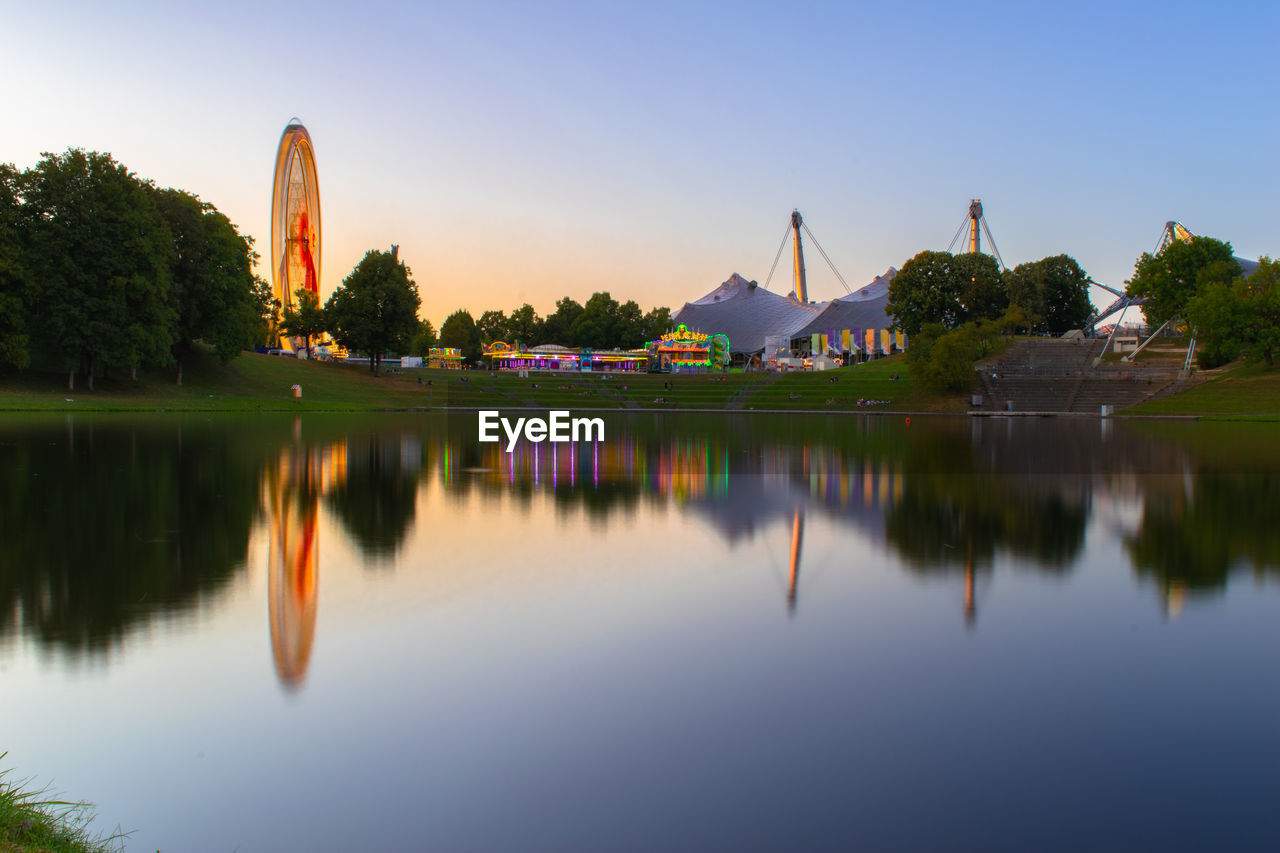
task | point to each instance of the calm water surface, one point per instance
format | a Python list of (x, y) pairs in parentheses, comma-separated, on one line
[(327, 633)]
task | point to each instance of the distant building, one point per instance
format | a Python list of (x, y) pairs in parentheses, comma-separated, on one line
[(552, 357), (685, 351), (763, 326), (444, 358)]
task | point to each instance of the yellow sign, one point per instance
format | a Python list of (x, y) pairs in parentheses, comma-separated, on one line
[(682, 333)]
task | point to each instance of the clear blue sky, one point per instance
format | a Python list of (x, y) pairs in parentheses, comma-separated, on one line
[(521, 152)]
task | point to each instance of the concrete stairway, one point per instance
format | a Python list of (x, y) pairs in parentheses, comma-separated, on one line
[(1058, 376)]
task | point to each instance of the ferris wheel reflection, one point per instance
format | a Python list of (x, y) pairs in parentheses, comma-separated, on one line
[(294, 486)]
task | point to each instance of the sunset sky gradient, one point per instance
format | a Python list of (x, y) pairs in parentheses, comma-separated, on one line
[(523, 152)]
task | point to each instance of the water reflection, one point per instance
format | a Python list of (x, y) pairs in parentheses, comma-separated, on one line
[(294, 486), (108, 525), (1195, 531), (105, 527)]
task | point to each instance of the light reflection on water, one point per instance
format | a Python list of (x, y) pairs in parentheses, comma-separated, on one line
[(742, 632)]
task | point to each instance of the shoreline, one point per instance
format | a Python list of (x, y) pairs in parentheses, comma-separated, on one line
[(446, 410)]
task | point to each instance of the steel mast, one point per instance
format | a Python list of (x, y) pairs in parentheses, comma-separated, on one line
[(802, 288)]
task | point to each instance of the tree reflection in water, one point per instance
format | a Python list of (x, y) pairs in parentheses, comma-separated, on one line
[(1196, 531), (107, 525)]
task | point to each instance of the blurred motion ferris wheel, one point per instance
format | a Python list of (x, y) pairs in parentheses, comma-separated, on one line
[(295, 217)]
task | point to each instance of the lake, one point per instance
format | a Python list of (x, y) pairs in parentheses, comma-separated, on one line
[(705, 632)]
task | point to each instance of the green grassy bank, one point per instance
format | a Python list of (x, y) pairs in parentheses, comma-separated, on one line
[(253, 382), (30, 822), (1241, 393)]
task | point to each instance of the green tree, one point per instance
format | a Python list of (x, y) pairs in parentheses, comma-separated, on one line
[(1219, 318), (943, 359), (1054, 291), (656, 322), (424, 339), (100, 252), (212, 277), (375, 309), (1239, 318), (15, 293), (265, 311), (630, 326), (459, 331), (305, 318), (981, 287), (1170, 279), (492, 326), (524, 325), (556, 327), (938, 287), (597, 325)]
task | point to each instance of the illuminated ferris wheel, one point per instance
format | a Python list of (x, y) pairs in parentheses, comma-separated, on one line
[(295, 217)]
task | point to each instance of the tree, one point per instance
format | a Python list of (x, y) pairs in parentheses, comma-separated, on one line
[(265, 310), (655, 323), (375, 309), (213, 284), (524, 325), (15, 292), (1171, 278), (942, 358), (981, 287), (100, 252), (1053, 291), (630, 326), (597, 324), (492, 326), (305, 318), (424, 340), (1241, 318), (938, 287), (459, 331), (556, 328)]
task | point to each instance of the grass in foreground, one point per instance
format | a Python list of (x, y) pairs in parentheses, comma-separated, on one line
[(31, 823), (1251, 392)]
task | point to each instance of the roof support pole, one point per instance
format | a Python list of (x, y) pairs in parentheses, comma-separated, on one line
[(802, 288), (975, 218)]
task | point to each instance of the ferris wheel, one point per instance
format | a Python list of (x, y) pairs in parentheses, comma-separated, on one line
[(295, 217)]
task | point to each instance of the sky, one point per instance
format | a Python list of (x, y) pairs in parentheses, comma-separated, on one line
[(524, 152)]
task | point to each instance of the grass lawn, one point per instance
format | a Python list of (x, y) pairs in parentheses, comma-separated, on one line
[(1245, 392), (253, 382), (873, 380)]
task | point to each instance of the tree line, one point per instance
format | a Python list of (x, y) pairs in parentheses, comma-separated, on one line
[(1200, 284), (957, 309), (102, 270), (1048, 297), (601, 324)]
